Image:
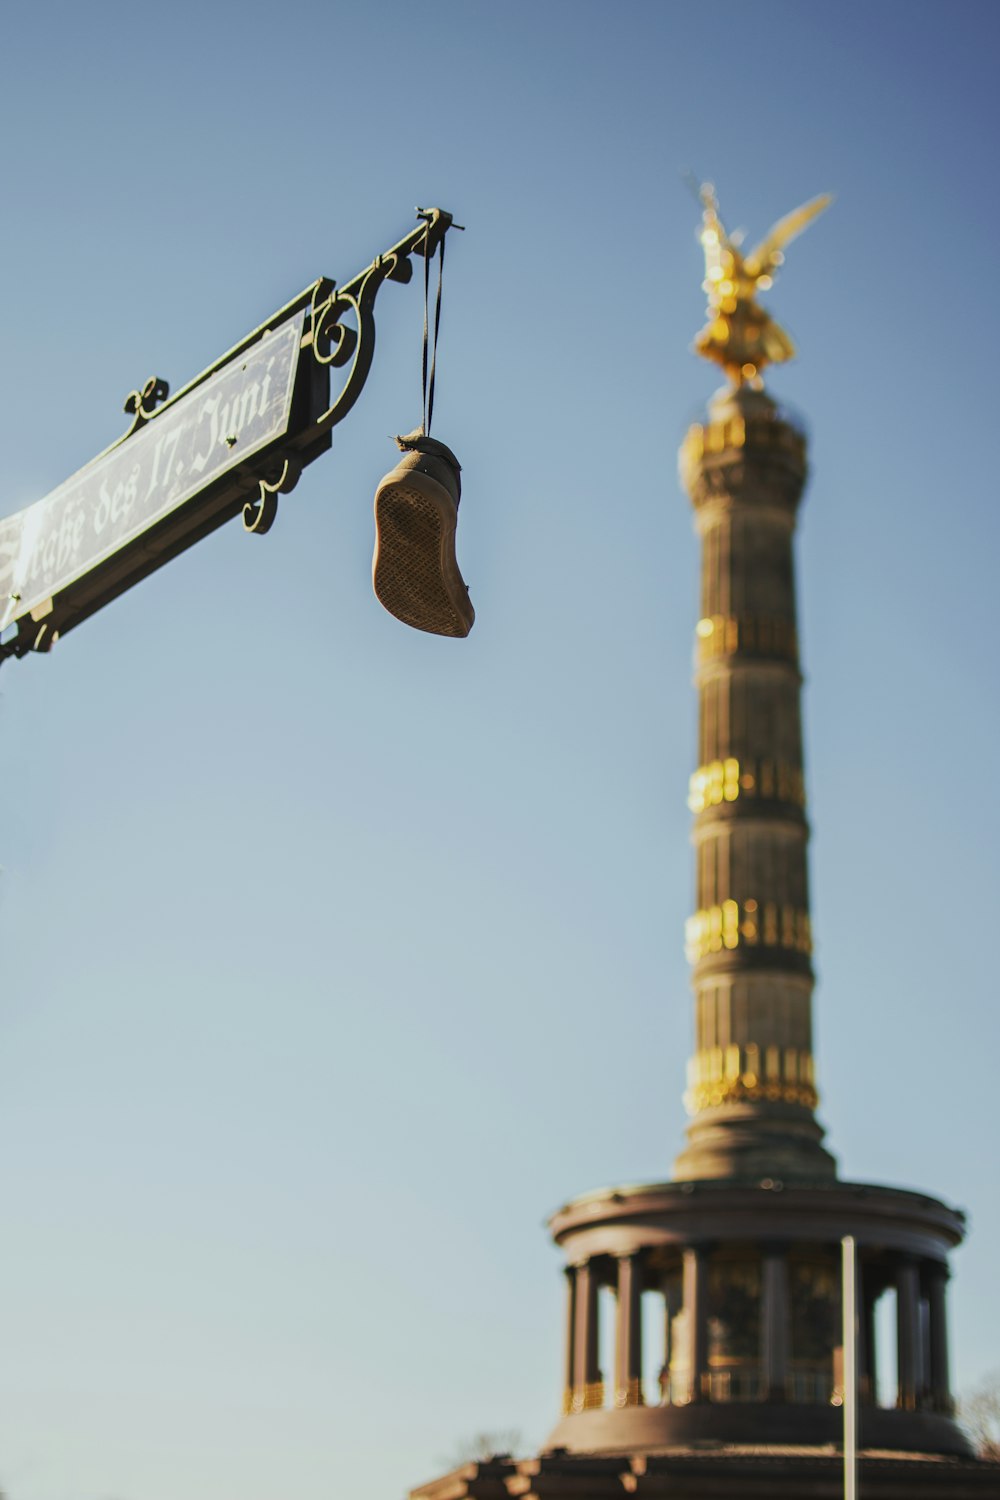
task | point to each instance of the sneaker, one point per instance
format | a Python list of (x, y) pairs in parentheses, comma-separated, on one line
[(414, 571)]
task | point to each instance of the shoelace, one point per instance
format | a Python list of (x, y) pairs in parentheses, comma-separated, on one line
[(427, 378)]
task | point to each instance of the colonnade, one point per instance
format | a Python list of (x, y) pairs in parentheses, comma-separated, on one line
[(689, 1373)]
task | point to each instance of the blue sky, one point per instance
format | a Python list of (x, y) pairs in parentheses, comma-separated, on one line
[(337, 956)]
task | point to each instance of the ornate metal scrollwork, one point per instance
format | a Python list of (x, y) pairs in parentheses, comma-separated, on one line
[(141, 404), (280, 477), (336, 343)]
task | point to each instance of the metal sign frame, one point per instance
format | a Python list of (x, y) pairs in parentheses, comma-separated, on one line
[(232, 440)]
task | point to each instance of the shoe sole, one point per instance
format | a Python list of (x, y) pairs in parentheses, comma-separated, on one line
[(414, 571)]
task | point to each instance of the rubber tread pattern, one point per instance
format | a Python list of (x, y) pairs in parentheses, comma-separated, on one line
[(415, 553)]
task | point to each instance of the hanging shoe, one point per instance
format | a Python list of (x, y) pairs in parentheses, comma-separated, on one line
[(414, 571)]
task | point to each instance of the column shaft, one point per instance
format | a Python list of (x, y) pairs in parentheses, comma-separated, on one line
[(749, 939), (939, 1381), (774, 1324), (863, 1335), (671, 1307), (569, 1366), (869, 1376), (907, 1334), (628, 1350), (588, 1389), (696, 1322)]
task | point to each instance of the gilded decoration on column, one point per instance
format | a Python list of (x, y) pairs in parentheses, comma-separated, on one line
[(749, 923), (724, 635), (726, 1075), (739, 335), (729, 780), (725, 433), (589, 1397)]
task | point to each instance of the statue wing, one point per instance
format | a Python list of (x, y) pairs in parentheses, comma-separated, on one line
[(768, 252)]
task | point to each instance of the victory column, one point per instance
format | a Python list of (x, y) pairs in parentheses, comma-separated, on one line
[(741, 1251)]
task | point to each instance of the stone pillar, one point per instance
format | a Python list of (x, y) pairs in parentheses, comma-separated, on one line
[(588, 1388), (863, 1331), (671, 1307), (628, 1344), (569, 1366), (869, 1342), (696, 1320), (774, 1323), (907, 1333), (939, 1380)]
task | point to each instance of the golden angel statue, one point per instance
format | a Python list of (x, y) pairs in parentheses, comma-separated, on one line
[(739, 335)]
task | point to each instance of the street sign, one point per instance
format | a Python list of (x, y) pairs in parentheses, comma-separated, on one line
[(234, 439), (244, 407)]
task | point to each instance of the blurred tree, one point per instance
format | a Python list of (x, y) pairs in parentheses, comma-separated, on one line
[(979, 1414), (499, 1442)]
